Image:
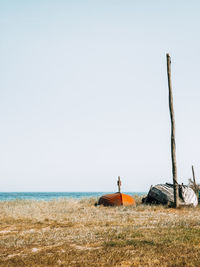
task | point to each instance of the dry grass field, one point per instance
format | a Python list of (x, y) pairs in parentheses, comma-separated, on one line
[(76, 233)]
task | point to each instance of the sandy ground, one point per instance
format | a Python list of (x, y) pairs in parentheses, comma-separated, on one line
[(76, 233)]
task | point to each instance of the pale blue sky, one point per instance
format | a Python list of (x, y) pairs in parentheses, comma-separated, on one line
[(84, 96)]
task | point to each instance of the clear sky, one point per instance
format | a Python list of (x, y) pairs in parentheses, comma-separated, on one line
[(84, 95)]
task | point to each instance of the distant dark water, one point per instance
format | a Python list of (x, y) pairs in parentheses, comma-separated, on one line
[(55, 195)]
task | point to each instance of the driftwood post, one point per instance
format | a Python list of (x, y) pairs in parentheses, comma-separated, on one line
[(173, 143), (194, 181), (119, 184)]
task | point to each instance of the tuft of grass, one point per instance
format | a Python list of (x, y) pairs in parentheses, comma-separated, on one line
[(129, 242)]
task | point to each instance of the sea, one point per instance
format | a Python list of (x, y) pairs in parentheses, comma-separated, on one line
[(7, 196)]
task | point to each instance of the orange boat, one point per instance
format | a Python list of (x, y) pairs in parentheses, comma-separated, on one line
[(116, 199)]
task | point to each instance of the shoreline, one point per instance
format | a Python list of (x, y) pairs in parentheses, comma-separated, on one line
[(10, 196)]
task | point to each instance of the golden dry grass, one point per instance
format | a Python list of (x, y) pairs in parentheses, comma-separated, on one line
[(76, 233)]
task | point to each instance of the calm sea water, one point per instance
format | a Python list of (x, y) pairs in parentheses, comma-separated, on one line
[(55, 195)]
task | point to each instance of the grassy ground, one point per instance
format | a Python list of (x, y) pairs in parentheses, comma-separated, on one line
[(76, 233)]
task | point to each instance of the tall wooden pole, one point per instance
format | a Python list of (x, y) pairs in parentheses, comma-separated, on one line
[(173, 143)]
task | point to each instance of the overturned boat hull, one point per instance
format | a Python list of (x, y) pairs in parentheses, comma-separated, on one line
[(164, 194), (116, 199)]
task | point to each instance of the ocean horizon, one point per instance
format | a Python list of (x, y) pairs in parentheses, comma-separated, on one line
[(6, 196)]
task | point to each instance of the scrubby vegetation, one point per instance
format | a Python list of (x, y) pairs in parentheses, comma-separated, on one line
[(76, 233)]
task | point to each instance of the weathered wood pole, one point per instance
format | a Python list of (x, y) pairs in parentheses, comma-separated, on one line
[(173, 143), (119, 184), (194, 180)]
